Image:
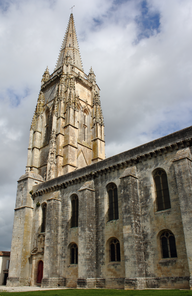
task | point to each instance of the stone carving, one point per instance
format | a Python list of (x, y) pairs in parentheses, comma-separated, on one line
[(71, 98), (34, 122), (45, 76), (40, 104), (68, 59), (97, 114), (56, 107), (96, 99), (91, 76), (38, 110), (76, 103), (40, 243), (51, 163)]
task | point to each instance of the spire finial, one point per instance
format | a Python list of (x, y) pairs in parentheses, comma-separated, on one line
[(72, 8)]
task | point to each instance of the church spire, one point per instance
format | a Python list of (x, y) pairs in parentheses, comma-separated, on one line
[(70, 47)]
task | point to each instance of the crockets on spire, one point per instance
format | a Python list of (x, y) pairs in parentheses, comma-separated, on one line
[(70, 47)]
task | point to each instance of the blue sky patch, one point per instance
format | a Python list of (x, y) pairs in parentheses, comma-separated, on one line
[(15, 98), (148, 22), (118, 2), (97, 22), (4, 5)]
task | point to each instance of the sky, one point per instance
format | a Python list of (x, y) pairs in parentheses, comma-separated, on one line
[(140, 51)]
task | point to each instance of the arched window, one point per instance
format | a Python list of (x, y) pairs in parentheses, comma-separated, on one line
[(113, 201), (74, 211), (168, 245), (73, 254), (162, 190), (44, 214), (115, 250)]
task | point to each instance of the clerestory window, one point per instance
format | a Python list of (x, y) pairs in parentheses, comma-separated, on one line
[(44, 215), (162, 190), (74, 211), (113, 202)]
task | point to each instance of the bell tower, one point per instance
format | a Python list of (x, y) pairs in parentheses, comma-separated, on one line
[(67, 130), (67, 133)]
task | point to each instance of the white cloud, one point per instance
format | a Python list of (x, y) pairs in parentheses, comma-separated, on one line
[(146, 86)]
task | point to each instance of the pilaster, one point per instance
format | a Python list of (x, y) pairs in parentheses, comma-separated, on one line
[(87, 236), (183, 172), (36, 146), (98, 143), (60, 139), (51, 275), (132, 234), (29, 156), (70, 148)]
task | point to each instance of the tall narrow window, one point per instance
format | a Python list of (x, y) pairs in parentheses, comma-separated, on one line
[(168, 245), (73, 254), (115, 250), (44, 214), (162, 190), (74, 211), (113, 201)]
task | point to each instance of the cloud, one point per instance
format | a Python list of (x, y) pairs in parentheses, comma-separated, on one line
[(140, 52)]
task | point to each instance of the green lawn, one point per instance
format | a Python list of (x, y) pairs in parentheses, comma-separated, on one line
[(100, 292)]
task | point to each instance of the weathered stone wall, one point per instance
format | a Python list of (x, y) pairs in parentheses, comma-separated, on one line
[(20, 265), (138, 227)]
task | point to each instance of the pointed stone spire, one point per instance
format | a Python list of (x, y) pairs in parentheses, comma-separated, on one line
[(70, 47)]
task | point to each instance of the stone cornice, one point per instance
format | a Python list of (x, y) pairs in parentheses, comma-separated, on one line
[(69, 124), (71, 145), (52, 78), (31, 175), (117, 162), (24, 207), (95, 139), (175, 160), (83, 81)]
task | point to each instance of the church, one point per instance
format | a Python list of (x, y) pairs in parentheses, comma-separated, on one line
[(83, 221)]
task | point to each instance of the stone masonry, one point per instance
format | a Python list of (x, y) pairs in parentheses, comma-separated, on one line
[(66, 159)]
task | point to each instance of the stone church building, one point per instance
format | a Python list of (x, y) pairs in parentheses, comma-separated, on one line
[(85, 221)]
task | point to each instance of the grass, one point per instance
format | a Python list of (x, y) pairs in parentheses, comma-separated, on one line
[(101, 292)]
